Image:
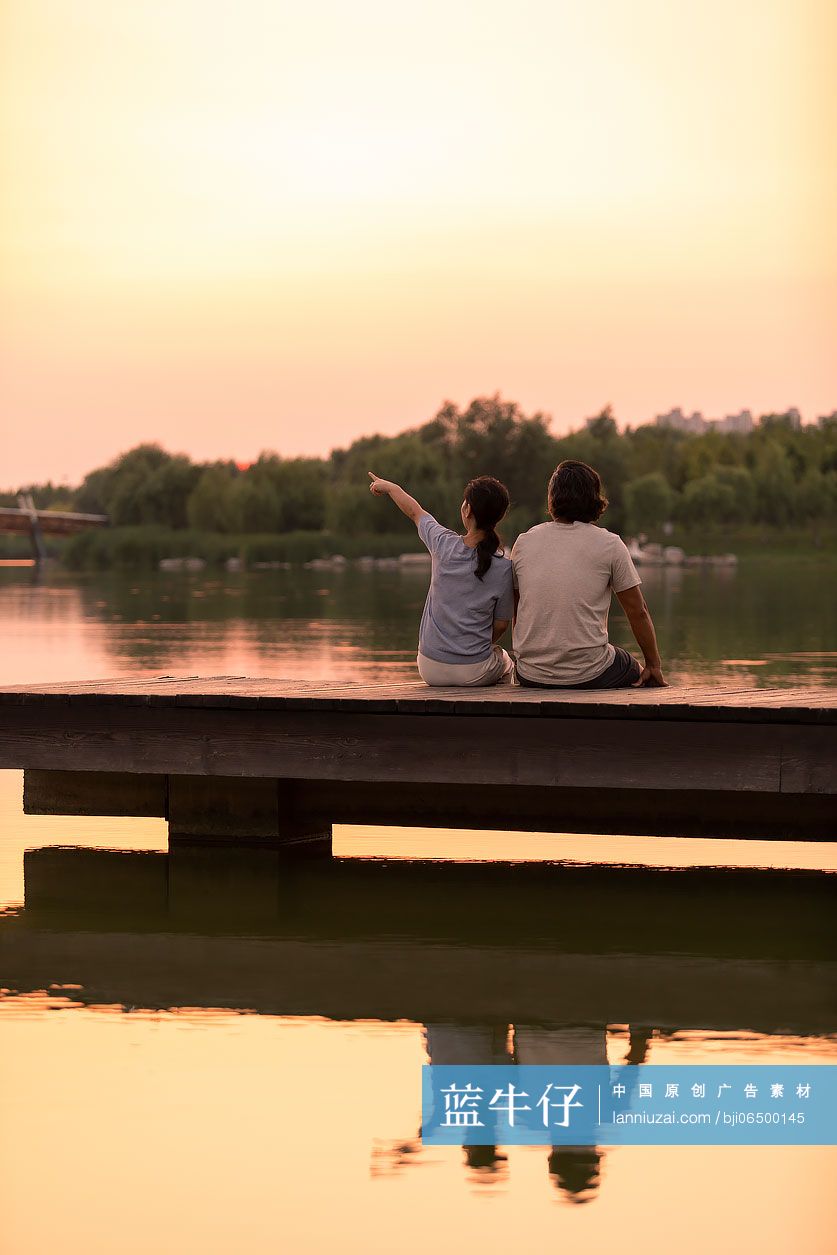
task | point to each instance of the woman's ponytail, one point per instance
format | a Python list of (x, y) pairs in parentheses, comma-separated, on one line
[(486, 550), (488, 500)]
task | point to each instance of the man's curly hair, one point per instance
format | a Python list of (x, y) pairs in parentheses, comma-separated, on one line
[(576, 493)]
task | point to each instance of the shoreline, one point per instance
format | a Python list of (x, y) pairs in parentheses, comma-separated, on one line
[(156, 550)]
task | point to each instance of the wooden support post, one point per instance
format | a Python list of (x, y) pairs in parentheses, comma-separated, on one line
[(242, 809), (93, 793), (27, 505), (298, 813)]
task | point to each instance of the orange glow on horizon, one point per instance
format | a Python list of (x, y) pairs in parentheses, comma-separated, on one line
[(263, 227)]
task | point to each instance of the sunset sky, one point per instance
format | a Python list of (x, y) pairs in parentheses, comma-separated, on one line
[(230, 225)]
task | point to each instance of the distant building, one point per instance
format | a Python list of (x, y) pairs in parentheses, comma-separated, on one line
[(678, 421), (787, 418), (738, 424)]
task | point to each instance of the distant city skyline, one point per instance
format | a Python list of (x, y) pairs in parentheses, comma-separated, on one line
[(677, 419), (736, 424)]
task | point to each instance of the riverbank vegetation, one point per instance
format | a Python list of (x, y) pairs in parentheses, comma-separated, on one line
[(775, 486)]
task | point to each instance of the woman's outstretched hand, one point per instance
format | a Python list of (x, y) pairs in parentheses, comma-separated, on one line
[(386, 488), (380, 487)]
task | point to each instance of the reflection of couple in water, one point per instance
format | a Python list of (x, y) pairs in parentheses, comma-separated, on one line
[(574, 1170), (556, 586)]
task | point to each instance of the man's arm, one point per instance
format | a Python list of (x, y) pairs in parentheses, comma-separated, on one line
[(406, 504), (499, 629), (642, 626)]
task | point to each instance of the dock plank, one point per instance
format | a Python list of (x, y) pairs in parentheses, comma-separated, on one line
[(701, 759), (726, 703)]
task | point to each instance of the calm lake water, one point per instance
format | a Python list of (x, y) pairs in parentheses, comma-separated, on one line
[(207, 1058)]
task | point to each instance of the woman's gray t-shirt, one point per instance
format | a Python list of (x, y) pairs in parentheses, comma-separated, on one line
[(456, 625)]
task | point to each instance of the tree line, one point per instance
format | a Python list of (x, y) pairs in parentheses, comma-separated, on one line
[(776, 475)]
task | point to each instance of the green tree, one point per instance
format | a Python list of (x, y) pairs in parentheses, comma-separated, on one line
[(707, 501), (649, 502), (701, 454), (419, 464), (117, 484), (212, 504), (146, 485), (494, 437), (775, 490), (158, 497), (300, 485), (740, 481), (351, 510), (814, 498), (776, 475), (603, 426), (254, 505)]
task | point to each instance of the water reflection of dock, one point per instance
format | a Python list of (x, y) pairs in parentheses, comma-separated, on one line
[(430, 943)]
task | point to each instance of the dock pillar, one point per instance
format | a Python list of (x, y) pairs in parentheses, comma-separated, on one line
[(116, 793), (243, 810)]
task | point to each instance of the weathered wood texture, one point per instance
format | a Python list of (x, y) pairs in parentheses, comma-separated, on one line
[(694, 702), (312, 806), (243, 807), (690, 761), (94, 793), (552, 741)]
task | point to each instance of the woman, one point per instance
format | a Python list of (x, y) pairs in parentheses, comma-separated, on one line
[(471, 599)]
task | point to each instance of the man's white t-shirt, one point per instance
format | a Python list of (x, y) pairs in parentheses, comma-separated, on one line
[(565, 573)]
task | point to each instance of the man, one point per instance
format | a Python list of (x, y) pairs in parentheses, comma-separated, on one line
[(564, 574)]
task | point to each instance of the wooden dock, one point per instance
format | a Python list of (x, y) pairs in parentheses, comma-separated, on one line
[(281, 761), (36, 523)]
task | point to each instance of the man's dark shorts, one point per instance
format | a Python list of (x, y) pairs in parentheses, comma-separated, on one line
[(622, 672)]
